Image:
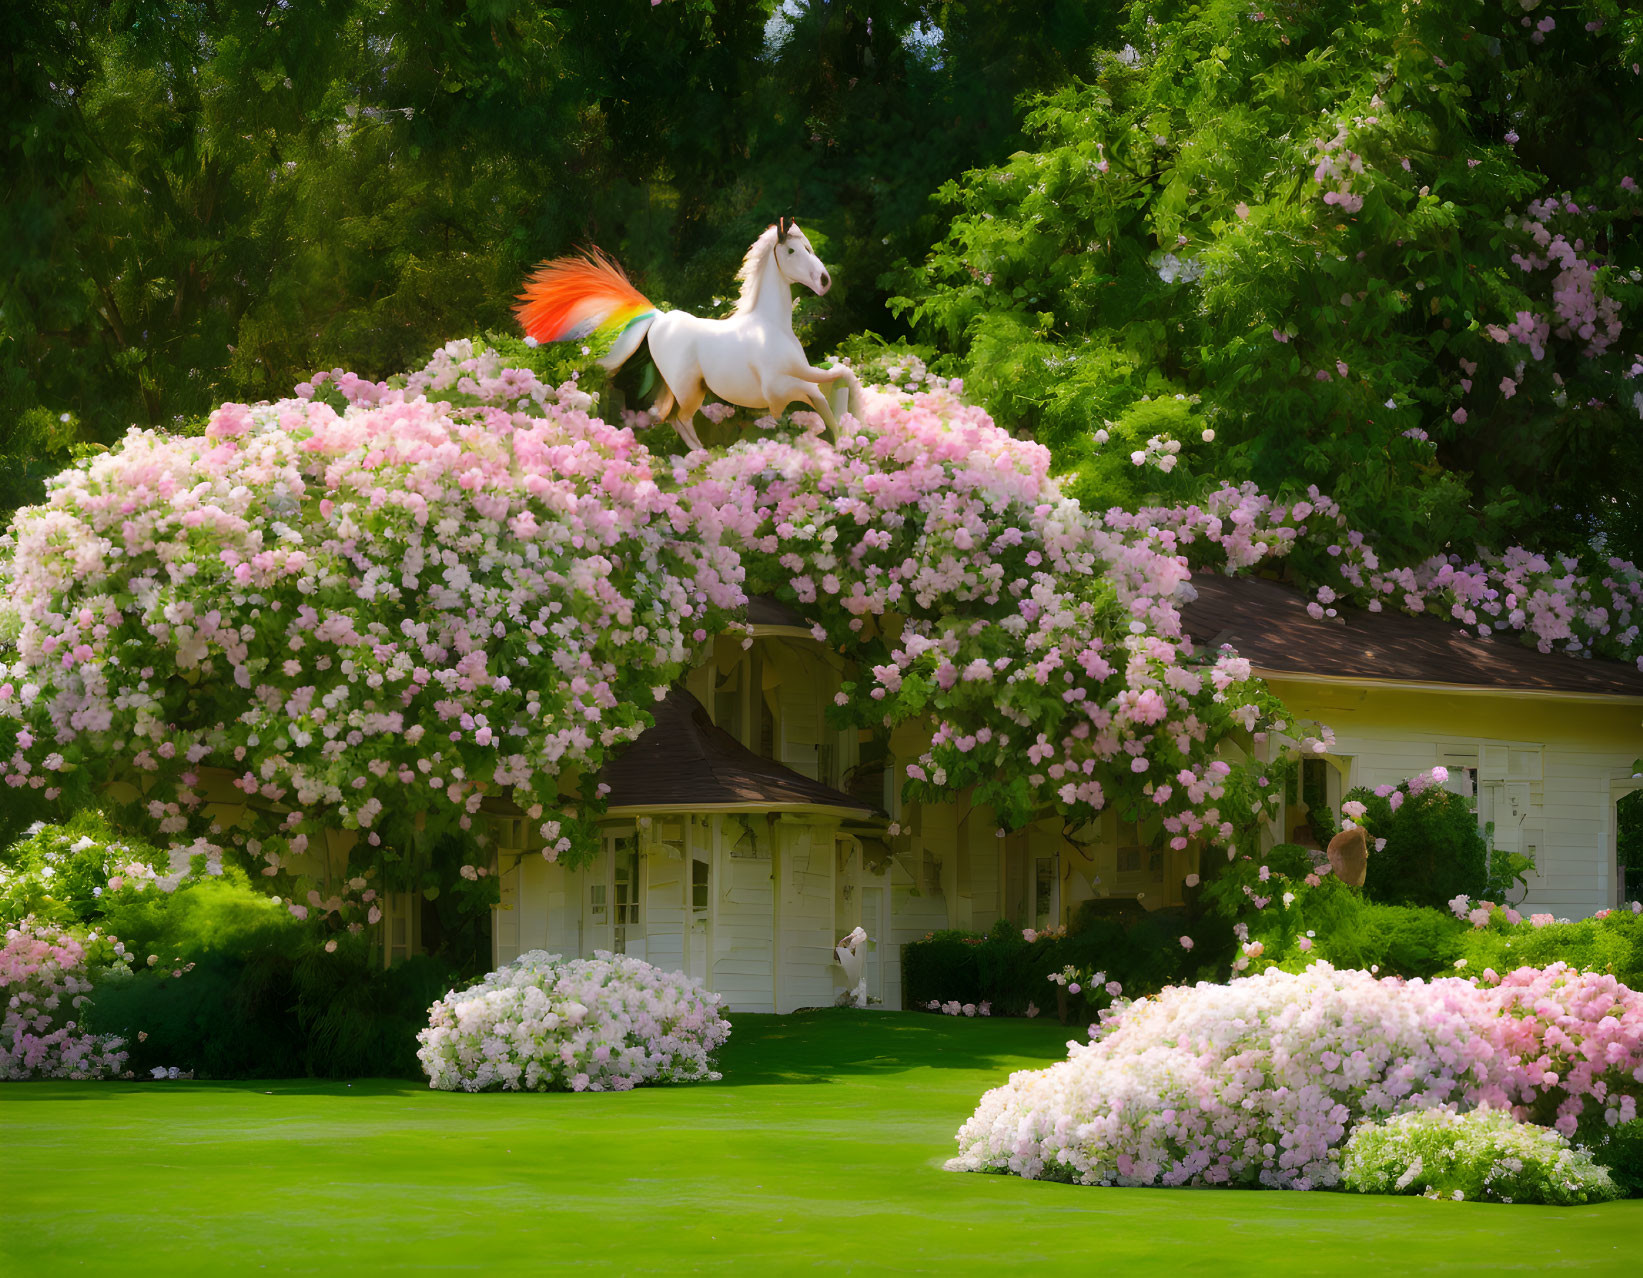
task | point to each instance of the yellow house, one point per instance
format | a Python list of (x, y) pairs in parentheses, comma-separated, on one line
[(1543, 744), (745, 837)]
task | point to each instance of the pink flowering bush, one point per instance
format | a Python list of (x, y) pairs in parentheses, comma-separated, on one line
[(45, 987), (936, 552), (369, 617), (1260, 1081), (544, 1023)]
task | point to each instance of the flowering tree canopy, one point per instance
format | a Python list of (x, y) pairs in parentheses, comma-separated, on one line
[(382, 606)]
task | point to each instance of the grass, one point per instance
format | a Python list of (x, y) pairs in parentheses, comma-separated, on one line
[(820, 1152)]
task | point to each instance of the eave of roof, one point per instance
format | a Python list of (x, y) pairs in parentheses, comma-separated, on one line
[(769, 617), (1268, 624), (685, 763)]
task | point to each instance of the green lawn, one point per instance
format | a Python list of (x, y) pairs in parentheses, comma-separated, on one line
[(820, 1152)]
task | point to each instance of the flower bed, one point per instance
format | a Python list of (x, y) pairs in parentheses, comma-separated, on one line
[(1260, 1081), (544, 1023)]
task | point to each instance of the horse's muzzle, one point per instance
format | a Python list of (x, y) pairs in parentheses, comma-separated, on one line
[(826, 283)]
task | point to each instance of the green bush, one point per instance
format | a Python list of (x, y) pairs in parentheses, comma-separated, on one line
[(1433, 850), (226, 981), (1621, 1151), (1140, 949), (1612, 944), (60, 873), (1484, 1154), (258, 997)]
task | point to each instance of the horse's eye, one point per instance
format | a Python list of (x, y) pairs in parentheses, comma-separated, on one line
[(790, 252)]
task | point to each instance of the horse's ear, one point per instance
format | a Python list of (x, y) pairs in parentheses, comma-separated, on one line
[(781, 230)]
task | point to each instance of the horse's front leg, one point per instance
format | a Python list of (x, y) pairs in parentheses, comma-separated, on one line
[(821, 376), (789, 390)]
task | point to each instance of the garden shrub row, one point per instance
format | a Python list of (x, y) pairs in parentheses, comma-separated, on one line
[(1010, 969), (196, 969)]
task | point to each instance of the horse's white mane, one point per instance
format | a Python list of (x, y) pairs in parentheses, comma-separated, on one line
[(750, 272)]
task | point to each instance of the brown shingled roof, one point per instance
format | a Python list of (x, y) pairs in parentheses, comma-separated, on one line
[(1268, 624), (767, 610), (685, 761)]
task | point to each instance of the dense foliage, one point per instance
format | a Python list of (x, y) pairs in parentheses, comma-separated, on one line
[(544, 1023), (207, 201), (1483, 1155), (1288, 910), (1389, 250), (1428, 848), (1014, 971), (183, 965)]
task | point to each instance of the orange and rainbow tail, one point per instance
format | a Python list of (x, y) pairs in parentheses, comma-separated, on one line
[(576, 298)]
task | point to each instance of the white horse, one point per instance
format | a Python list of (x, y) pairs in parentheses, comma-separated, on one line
[(750, 358)]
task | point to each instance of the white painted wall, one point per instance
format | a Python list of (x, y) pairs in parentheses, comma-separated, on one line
[(1546, 772)]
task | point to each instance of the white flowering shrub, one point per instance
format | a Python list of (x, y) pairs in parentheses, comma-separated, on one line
[(546, 1023), (1484, 1154), (1260, 1081), (72, 874)]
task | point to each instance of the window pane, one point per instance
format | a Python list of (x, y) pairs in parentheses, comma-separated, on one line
[(1043, 890), (698, 886), (627, 881)]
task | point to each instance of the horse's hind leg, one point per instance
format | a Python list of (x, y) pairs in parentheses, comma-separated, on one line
[(689, 401), (663, 404)]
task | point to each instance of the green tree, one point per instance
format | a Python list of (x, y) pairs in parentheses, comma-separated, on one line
[(1387, 249)]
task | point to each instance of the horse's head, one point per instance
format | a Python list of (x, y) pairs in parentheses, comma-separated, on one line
[(797, 261)]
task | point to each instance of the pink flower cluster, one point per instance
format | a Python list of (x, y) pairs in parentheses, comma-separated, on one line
[(1580, 312), (1335, 170), (45, 982), (544, 1023), (952, 1007), (1261, 1081)]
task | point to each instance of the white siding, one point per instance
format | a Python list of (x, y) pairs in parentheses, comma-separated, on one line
[(805, 928), (1547, 772), (664, 916), (742, 967)]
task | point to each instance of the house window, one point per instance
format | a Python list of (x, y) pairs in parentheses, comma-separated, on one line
[(1043, 891), (626, 878), (698, 886), (1129, 860), (598, 904), (1315, 784)]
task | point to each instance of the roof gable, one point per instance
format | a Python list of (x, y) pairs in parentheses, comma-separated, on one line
[(684, 761)]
